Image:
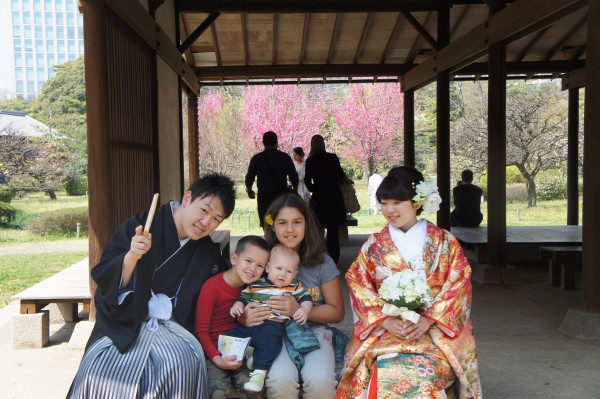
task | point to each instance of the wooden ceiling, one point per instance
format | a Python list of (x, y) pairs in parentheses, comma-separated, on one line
[(303, 41)]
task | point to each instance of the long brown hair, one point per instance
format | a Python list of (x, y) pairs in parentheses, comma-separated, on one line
[(312, 248)]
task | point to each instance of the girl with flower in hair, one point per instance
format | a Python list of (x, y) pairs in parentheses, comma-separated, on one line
[(433, 354), (290, 222)]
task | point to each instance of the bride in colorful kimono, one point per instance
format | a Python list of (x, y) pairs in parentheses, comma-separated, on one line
[(434, 356)]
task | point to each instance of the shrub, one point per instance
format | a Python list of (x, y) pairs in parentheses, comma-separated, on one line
[(77, 186), (551, 187), (62, 221), (516, 192), (7, 213), (352, 169), (6, 196)]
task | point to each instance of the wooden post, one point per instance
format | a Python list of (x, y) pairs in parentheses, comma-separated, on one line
[(591, 168), (497, 149), (443, 121), (572, 159), (409, 128), (100, 186)]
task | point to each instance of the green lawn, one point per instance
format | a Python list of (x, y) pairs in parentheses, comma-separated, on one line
[(244, 219), (21, 271), (18, 272), (31, 206)]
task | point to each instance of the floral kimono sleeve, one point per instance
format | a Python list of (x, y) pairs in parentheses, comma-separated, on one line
[(366, 303), (452, 304)]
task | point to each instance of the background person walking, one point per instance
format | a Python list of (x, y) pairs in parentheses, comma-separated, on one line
[(271, 168)]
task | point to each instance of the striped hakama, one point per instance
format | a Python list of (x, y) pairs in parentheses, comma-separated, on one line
[(166, 363)]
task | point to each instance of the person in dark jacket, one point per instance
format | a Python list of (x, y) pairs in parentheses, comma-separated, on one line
[(323, 177), (271, 168), (147, 288), (467, 202)]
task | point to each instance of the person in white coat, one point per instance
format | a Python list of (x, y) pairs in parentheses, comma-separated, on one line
[(374, 182)]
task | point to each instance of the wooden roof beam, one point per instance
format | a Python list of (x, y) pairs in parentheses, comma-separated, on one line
[(565, 38), (303, 6), (414, 49), (244, 37), (305, 30), (275, 38), (363, 36), (460, 19), (531, 43), (336, 28), (509, 24), (197, 32), (392, 38), (306, 70), (213, 33), (420, 29), (189, 57), (574, 79)]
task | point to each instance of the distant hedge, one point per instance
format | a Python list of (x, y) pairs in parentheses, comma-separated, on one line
[(62, 221), (6, 196), (7, 213), (77, 186)]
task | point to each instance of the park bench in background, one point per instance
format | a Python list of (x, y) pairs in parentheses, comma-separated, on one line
[(522, 242), (562, 262), (350, 221)]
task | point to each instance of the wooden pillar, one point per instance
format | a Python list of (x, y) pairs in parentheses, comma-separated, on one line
[(100, 189), (409, 127), (100, 192), (572, 159), (591, 167), (497, 149), (443, 121), (193, 151)]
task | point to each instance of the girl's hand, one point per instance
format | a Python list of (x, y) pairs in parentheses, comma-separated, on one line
[(140, 244), (284, 304), (226, 363), (254, 315)]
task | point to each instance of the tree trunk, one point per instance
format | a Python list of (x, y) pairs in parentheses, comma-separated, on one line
[(531, 193), (51, 194)]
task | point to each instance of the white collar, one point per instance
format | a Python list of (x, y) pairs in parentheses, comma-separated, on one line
[(410, 244)]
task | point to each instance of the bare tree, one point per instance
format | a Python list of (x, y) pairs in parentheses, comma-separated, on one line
[(536, 117), (33, 163)]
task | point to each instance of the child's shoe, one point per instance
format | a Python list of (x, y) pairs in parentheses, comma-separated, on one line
[(256, 382)]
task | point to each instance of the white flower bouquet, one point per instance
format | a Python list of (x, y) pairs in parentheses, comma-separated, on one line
[(404, 292)]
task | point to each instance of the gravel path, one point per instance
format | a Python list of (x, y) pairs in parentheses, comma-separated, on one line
[(42, 247)]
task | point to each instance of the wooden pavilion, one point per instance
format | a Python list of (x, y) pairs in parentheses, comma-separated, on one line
[(147, 59)]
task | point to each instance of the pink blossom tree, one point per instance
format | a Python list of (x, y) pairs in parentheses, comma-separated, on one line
[(222, 142), (294, 112), (369, 125)]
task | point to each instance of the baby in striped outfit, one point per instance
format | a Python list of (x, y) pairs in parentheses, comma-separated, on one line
[(267, 338)]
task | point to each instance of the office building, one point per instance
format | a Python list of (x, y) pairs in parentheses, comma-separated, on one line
[(35, 36)]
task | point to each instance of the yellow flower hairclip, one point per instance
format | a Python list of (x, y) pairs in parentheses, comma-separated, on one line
[(269, 220)]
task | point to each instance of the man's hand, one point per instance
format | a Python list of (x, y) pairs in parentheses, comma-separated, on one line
[(251, 193)]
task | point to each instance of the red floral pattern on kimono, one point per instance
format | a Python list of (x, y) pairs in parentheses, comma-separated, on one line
[(450, 337)]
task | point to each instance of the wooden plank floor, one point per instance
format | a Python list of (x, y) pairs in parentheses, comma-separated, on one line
[(523, 234)]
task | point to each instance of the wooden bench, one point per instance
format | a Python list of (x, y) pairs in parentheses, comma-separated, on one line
[(522, 242), (69, 286), (221, 239), (562, 262), (343, 232)]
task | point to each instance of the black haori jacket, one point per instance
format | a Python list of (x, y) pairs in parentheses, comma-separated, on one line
[(190, 267)]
